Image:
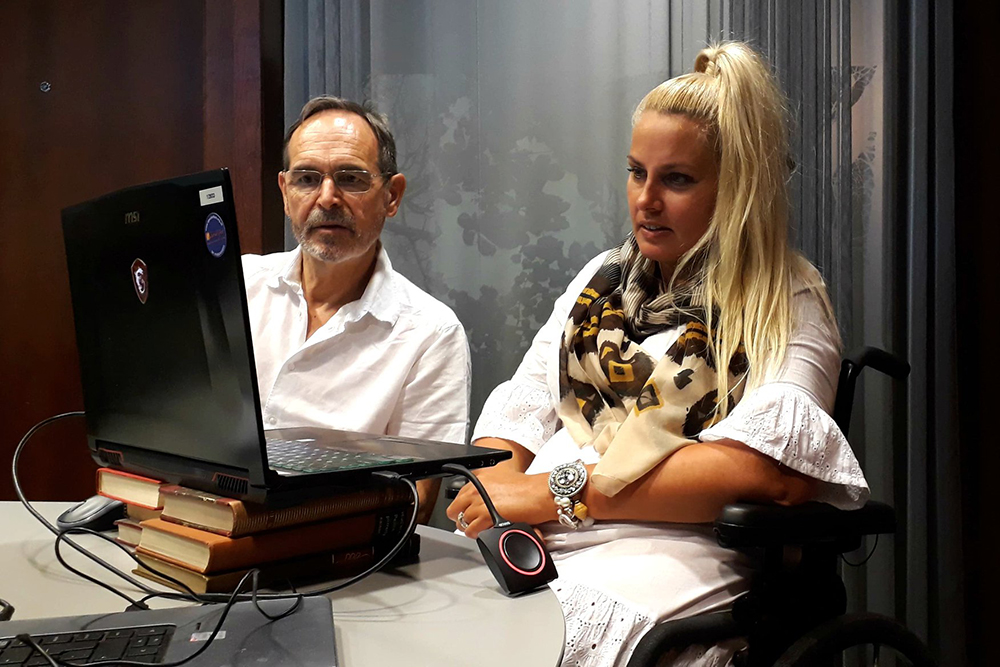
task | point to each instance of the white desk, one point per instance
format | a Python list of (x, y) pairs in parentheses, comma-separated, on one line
[(444, 610)]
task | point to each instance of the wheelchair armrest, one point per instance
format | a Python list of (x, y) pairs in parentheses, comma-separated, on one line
[(751, 525)]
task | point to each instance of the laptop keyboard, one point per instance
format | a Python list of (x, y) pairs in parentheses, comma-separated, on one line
[(145, 644), (304, 457)]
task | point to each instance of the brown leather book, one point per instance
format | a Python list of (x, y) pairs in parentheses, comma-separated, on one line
[(207, 552), (234, 518), (301, 570), (129, 488)]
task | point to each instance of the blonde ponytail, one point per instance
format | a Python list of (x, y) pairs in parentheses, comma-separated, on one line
[(742, 267)]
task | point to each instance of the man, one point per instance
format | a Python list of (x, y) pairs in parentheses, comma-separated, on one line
[(341, 340)]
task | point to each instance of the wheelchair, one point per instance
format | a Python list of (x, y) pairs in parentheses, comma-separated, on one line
[(794, 613)]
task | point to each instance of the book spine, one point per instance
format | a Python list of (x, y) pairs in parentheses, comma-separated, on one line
[(247, 521), (364, 529)]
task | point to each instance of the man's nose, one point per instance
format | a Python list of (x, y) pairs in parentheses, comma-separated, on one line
[(329, 195)]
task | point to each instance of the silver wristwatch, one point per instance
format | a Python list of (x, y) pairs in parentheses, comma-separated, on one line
[(566, 481)]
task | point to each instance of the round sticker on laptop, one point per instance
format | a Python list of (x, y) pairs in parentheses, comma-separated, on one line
[(215, 235)]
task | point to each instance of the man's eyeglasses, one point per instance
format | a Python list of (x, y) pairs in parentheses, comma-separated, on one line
[(350, 181)]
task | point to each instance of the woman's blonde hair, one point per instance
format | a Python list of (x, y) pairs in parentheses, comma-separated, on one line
[(742, 266)]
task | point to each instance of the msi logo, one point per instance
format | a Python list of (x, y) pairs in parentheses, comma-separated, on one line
[(140, 280), (132, 217)]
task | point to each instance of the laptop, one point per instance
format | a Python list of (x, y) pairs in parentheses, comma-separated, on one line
[(304, 638), (166, 356)]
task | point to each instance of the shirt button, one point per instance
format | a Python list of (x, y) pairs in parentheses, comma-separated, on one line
[(272, 421), (291, 367)]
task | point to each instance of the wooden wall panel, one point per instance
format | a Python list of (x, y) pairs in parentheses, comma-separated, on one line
[(99, 95)]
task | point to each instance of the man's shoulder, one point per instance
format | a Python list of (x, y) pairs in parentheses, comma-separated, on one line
[(255, 266), (420, 307)]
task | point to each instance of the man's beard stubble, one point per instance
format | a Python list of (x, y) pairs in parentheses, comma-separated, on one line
[(348, 248)]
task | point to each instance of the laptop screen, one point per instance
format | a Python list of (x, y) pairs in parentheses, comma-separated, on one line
[(159, 312)]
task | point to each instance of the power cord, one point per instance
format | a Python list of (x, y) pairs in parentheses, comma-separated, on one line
[(866, 559), (62, 536)]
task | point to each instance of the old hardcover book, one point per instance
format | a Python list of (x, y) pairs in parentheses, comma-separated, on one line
[(129, 531), (234, 518), (128, 488), (207, 552), (325, 566), (137, 513)]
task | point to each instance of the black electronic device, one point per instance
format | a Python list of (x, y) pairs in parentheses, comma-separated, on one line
[(516, 556), (95, 513), (304, 638), (167, 364)]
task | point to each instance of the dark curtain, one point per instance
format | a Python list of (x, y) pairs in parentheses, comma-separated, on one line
[(928, 553)]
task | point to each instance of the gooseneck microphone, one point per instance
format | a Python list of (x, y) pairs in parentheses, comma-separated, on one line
[(515, 555)]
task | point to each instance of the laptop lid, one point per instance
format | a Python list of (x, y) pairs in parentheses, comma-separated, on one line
[(166, 357)]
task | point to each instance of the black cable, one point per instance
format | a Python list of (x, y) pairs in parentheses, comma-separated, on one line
[(469, 475), (6, 610), (190, 596), (867, 558), (27, 639), (228, 601)]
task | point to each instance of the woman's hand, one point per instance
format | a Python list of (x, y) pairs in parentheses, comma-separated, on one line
[(517, 497)]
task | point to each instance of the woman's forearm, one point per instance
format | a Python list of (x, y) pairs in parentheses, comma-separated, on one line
[(697, 481), (521, 457)]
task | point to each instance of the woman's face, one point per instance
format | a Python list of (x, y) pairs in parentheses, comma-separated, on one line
[(672, 183)]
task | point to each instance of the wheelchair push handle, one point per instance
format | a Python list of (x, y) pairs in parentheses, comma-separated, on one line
[(851, 368), (880, 360)]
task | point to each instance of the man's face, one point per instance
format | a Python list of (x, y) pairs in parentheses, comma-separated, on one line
[(330, 224)]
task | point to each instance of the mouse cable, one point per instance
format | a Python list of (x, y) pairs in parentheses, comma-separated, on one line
[(6, 610), (190, 595), (232, 599), (55, 531)]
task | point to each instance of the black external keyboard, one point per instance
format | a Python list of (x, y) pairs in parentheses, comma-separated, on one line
[(304, 457), (145, 644)]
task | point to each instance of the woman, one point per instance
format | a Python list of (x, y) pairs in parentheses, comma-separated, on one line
[(622, 451)]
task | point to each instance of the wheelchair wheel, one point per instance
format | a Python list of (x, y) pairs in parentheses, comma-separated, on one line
[(858, 639)]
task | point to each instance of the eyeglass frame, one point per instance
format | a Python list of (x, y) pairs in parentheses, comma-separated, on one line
[(331, 173)]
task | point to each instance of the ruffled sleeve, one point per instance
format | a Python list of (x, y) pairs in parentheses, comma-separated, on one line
[(519, 412), (788, 416), (784, 422)]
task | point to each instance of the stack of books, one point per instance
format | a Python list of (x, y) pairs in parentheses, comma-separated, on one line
[(141, 496), (210, 542)]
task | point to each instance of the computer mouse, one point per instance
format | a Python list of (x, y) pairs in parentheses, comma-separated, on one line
[(95, 513)]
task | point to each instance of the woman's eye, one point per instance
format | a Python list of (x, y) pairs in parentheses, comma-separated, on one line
[(676, 178), (636, 173)]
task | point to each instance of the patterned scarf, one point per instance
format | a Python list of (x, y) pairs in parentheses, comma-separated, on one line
[(634, 409)]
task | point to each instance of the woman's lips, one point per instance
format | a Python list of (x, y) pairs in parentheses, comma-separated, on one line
[(653, 229)]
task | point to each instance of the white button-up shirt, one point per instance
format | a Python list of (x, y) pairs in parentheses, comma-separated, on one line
[(394, 362)]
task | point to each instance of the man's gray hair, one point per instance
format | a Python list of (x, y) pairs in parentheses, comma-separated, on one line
[(375, 120)]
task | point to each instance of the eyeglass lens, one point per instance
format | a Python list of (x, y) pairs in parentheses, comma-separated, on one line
[(354, 181)]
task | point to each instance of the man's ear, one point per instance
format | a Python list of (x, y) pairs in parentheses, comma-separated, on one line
[(394, 194), (284, 193)]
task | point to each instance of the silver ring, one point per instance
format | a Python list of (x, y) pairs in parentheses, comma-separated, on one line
[(461, 522)]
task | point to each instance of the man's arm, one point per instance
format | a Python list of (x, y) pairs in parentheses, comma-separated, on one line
[(434, 402)]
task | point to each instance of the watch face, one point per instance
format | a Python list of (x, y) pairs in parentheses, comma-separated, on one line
[(567, 479)]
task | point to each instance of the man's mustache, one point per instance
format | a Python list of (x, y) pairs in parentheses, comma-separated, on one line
[(321, 218)]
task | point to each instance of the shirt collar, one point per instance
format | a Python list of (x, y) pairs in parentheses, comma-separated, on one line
[(379, 297)]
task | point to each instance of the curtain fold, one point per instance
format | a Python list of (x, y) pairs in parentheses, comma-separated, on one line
[(932, 560)]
